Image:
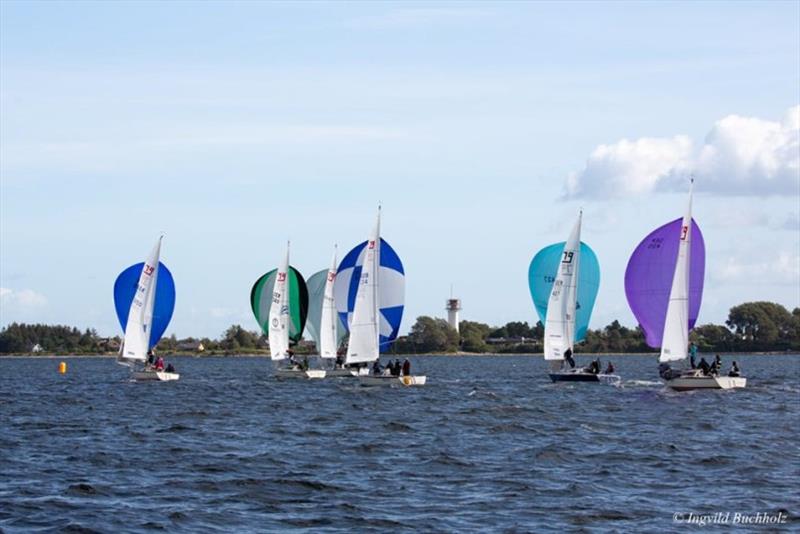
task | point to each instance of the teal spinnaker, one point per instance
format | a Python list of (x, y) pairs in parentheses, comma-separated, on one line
[(542, 274)]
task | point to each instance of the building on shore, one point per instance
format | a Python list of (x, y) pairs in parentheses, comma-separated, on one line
[(453, 307)]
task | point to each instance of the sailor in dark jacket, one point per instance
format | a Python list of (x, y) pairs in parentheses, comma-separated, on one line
[(568, 358)]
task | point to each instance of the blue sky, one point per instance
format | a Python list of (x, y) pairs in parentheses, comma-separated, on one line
[(481, 127)]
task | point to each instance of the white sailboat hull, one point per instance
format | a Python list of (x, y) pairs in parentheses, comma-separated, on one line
[(340, 373), (150, 375), (389, 380), (699, 381), (299, 373)]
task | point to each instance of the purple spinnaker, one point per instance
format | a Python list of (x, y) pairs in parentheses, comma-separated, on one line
[(648, 278)]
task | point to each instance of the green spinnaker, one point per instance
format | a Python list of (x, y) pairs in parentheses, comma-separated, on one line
[(261, 300)]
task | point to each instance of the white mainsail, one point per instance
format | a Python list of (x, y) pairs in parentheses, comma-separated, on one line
[(674, 345), (328, 338), (364, 327), (140, 314), (279, 312), (559, 327)]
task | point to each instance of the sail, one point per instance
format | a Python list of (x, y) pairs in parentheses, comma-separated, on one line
[(138, 322), (278, 330), (261, 302), (364, 343), (674, 345), (559, 326), (650, 276), (542, 273), (391, 292), (323, 322), (125, 288)]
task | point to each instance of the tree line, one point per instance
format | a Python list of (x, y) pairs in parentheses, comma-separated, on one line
[(750, 327)]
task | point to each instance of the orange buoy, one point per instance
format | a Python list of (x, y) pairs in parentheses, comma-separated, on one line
[(62, 368)]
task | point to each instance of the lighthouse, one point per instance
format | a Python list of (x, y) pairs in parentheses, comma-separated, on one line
[(453, 307)]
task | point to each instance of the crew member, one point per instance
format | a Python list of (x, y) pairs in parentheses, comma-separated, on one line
[(568, 358)]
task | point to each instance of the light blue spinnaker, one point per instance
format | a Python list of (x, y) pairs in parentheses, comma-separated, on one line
[(316, 295), (542, 274)]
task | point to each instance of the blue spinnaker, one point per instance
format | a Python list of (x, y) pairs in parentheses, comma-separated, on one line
[(164, 305)]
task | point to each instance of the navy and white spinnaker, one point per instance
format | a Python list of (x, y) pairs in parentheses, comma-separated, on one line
[(391, 293)]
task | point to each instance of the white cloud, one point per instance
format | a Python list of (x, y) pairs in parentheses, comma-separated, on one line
[(740, 156), (24, 298), (631, 167)]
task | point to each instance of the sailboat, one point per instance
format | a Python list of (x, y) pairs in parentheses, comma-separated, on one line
[(144, 298), (564, 279), (369, 293), (324, 324), (279, 300), (664, 287)]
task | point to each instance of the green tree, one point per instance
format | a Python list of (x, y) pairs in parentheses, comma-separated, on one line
[(236, 337), (433, 335), (762, 323), (473, 336), (538, 331), (168, 344), (712, 337)]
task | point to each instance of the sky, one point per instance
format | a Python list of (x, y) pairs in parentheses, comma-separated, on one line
[(481, 128)]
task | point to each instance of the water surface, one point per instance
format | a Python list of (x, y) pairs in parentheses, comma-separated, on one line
[(488, 444)]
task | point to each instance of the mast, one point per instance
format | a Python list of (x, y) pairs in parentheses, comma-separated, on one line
[(674, 345)]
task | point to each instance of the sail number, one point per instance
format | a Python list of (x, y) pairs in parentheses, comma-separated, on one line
[(684, 232), (568, 254)]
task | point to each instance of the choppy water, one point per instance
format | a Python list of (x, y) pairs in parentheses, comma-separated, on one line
[(490, 444)]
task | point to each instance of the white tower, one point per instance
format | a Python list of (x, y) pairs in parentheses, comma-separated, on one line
[(453, 307)]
